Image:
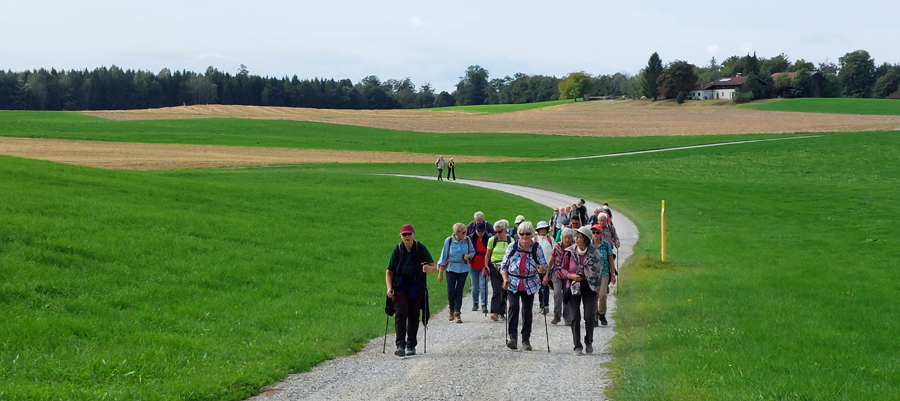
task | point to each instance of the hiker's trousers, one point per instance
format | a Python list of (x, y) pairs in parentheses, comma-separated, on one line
[(406, 318), (588, 299), (527, 305), (498, 294)]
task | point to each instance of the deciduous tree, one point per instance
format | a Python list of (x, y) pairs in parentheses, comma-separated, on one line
[(857, 73)]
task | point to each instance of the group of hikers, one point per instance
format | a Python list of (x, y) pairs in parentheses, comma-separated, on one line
[(572, 255), (451, 168)]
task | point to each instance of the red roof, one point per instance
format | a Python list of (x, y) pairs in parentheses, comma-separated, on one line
[(791, 75)]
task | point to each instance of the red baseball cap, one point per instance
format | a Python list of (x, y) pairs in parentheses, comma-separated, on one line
[(596, 227), (407, 229)]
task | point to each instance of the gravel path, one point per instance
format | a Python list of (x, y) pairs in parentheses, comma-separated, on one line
[(470, 361)]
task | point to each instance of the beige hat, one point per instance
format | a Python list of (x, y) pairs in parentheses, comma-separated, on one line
[(586, 231)]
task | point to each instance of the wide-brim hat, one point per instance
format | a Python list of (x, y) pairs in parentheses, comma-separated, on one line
[(586, 231), (542, 224)]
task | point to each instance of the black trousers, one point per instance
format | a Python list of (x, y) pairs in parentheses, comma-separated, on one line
[(527, 306), (440, 174), (451, 170), (588, 299), (406, 318), (498, 294)]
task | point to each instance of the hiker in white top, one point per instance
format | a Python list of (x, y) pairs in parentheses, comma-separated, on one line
[(439, 164), (543, 239)]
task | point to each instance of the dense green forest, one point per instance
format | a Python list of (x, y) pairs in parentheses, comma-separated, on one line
[(855, 75)]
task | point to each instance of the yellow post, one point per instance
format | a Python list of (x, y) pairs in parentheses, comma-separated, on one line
[(663, 218)]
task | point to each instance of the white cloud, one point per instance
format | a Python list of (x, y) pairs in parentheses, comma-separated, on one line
[(713, 49), (418, 22)]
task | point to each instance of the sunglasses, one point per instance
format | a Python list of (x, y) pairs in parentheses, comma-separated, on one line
[(528, 234), (406, 234)]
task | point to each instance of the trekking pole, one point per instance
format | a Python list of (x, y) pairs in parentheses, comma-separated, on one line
[(384, 346), (426, 339), (617, 271), (547, 332)]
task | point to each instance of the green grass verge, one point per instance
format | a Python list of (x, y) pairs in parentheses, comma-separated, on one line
[(888, 107), (781, 280), (307, 135), (204, 284), (502, 108)]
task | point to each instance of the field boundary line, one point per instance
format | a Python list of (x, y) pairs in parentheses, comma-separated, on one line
[(638, 152)]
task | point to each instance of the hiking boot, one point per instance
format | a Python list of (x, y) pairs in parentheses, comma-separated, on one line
[(475, 308), (545, 310), (596, 323), (603, 319), (568, 322), (588, 349), (511, 344), (494, 317), (526, 345), (400, 352), (452, 316), (578, 352), (458, 320), (555, 320), (484, 309), (412, 351)]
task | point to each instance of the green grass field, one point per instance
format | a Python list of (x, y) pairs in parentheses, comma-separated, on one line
[(502, 108), (888, 107), (780, 283), (203, 284), (308, 135)]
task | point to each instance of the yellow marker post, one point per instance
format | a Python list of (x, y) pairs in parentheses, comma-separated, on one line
[(663, 218)]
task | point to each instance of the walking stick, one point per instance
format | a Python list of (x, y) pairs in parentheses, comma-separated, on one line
[(547, 332), (617, 271), (384, 346)]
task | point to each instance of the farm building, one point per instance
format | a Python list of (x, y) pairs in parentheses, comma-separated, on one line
[(722, 88), (818, 83)]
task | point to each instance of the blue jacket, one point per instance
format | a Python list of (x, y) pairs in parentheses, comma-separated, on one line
[(452, 254)]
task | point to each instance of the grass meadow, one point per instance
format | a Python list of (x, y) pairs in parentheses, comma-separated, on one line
[(780, 282), (310, 135), (200, 284), (889, 107)]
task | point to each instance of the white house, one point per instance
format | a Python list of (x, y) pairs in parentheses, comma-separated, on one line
[(722, 88)]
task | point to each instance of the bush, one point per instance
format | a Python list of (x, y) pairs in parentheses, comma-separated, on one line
[(742, 97), (680, 98)]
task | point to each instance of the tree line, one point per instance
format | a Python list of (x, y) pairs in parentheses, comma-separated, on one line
[(855, 75)]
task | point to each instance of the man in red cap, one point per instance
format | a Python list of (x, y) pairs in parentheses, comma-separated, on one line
[(406, 286)]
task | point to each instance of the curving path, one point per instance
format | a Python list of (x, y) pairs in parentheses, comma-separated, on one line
[(470, 360)]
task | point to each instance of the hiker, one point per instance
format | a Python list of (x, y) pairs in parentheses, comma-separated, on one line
[(439, 164), (451, 169), (559, 280), (515, 230), (606, 210), (546, 244), (520, 267), (607, 275), (406, 286), (479, 217), (476, 266), (594, 219), (455, 256), (496, 249), (552, 221), (560, 218), (609, 231), (574, 222), (584, 270), (582, 211)]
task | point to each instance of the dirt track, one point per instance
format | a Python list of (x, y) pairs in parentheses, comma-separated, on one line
[(141, 156), (598, 118)]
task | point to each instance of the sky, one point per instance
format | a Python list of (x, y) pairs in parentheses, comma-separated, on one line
[(433, 41)]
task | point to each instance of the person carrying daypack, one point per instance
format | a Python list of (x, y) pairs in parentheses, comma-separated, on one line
[(520, 268), (496, 249), (407, 289), (458, 251)]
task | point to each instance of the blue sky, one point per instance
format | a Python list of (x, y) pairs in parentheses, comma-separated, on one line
[(433, 41)]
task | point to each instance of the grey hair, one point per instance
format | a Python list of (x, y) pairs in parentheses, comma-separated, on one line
[(479, 214), (597, 210), (526, 226), (603, 216), (501, 224), (567, 233)]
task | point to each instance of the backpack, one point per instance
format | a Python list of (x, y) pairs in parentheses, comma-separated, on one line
[(532, 251)]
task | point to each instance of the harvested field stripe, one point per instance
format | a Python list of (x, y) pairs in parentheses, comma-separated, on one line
[(678, 148)]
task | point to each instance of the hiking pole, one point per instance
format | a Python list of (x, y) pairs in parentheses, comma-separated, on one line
[(617, 271), (384, 346), (547, 332)]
